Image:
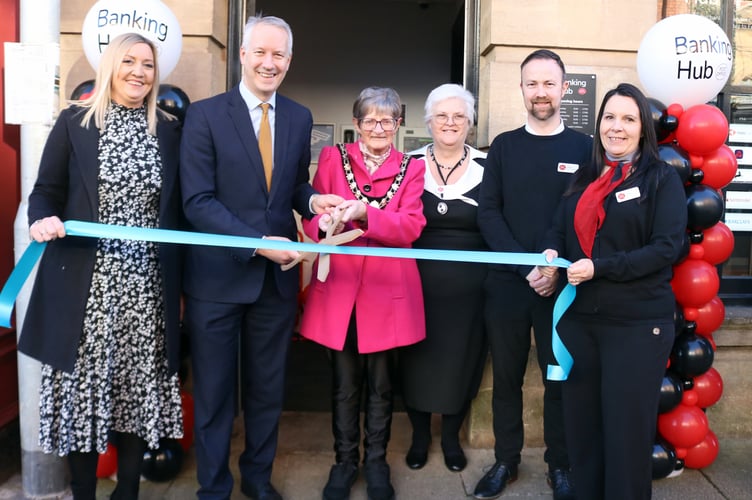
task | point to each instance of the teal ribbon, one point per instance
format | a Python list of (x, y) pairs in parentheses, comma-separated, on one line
[(28, 260)]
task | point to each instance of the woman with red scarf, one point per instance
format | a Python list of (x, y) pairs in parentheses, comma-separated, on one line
[(622, 225)]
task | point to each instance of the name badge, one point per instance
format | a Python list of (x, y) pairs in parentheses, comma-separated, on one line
[(568, 168), (628, 194)]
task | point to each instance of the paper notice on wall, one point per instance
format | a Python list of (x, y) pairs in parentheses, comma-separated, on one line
[(32, 83)]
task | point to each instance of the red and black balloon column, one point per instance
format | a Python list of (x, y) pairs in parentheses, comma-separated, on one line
[(674, 68), (693, 143)]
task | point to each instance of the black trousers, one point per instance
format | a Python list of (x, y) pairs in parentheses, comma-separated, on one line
[(611, 403), (130, 457), (354, 374), (512, 309)]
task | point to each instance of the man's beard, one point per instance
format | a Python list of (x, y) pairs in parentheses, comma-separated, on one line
[(542, 114)]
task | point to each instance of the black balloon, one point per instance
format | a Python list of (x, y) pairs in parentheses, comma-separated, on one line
[(83, 90), (696, 176), (657, 113), (704, 207), (692, 355), (164, 463), (690, 327), (173, 100), (696, 237), (669, 122), (664, 459), (672, 391), (677, 158)]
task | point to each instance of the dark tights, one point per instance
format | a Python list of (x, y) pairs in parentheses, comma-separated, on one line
[(83, 469), (450, 429)]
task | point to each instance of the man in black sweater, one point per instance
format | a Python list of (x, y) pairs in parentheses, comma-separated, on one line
[(527, 171)]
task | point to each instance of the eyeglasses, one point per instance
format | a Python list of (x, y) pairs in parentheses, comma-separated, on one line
[(387, 124), (443, 119)]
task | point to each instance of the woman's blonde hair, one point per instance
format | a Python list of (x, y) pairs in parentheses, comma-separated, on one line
[(109, 64)]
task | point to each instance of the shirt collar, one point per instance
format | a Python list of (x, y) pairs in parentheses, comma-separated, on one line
[(252, 101), (558, 129)]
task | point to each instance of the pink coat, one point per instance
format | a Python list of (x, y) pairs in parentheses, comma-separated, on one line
[(385, 292)]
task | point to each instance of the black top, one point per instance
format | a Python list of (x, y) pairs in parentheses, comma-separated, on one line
[(524, 179), (633, 253)]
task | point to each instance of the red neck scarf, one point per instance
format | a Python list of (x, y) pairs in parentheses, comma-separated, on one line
[(589, 213)]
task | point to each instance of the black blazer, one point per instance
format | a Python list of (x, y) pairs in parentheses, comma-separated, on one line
[(66, 186), (224, 192)]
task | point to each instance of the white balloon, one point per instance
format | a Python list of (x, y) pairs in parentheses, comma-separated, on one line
[(150, 18), (684, 59)]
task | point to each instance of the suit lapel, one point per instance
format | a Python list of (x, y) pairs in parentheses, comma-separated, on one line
[(241, 120), (282, 126)]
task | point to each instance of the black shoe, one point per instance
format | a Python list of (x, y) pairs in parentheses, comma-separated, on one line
[(416, 457), (260, 491), (378, 485), (341, 478), (560, 480), (455, 460), (493, 483)]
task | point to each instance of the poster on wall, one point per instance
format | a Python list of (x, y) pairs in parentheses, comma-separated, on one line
[(322, 135), (578, 103), (738, 204)]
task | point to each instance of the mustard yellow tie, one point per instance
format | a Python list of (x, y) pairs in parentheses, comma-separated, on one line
[(265, 144)]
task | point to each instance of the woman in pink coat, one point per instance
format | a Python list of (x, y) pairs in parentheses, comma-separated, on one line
[(367, 306)]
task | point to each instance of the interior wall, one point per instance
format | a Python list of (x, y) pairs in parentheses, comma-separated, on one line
[(342, 46)]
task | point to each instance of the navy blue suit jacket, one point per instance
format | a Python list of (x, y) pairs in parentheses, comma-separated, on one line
[(224, 192)]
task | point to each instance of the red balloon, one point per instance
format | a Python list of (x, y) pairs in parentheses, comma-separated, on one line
[(186, 400), (696, 160), (684, 426), (690, 313), (709, 388), (695, 282), (689, 398), (702, 129), (718, 167), (703, 454), (710, 317), (712, 342), (696, 251), (675, 109), (107, 463), (718, 243)]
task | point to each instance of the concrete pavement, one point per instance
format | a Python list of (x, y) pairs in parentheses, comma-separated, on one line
[(305, 455)]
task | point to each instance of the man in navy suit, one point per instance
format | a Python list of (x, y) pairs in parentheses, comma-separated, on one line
[(239, 304)]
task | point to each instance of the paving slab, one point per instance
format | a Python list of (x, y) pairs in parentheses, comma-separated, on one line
[(305, 456)]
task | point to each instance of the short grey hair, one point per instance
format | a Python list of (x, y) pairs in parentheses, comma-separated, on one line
[(449, 91), (377, 98), (258, 19)]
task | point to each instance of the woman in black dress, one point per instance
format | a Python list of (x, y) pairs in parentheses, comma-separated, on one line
[(442, 373), (109, 363)]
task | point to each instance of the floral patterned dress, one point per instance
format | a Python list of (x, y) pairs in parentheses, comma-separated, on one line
[(120, 381)]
